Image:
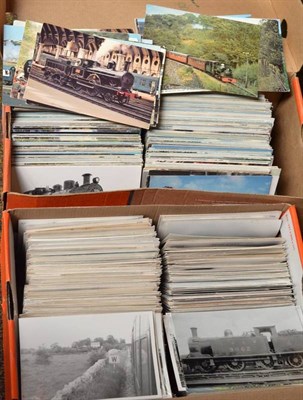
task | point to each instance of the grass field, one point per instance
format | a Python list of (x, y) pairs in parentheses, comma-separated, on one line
[(43, 381)]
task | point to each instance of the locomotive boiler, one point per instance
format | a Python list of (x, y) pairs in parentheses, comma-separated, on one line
[(264, 347), (90, 78)]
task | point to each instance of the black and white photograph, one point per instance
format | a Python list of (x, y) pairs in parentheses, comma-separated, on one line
[(101, 77), (67, 179), (101, 356), (240, 346)]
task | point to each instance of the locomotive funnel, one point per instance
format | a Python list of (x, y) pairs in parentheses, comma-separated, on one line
[(194, 332), (86, 179)]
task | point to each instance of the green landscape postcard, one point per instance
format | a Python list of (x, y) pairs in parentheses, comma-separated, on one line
[(205, 52)]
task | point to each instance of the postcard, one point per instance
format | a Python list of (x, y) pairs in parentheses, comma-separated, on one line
[(200, 53), (12, 37), (254, 184), (99, 356), (101, 77), (62, 179), (239, 346)]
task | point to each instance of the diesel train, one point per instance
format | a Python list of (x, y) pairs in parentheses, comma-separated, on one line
[(264, 347), (216, 69), (90, 78)]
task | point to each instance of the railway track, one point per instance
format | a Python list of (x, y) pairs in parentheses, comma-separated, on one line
[(253, 376), (139, 109)]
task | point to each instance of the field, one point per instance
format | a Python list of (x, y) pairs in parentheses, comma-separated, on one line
[(43, 381)]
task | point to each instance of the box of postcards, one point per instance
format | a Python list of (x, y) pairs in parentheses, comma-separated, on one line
[(144, 302), (164, 101)]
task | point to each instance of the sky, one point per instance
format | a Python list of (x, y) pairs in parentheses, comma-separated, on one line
[(217, 183), (64, 330), (213, 323)]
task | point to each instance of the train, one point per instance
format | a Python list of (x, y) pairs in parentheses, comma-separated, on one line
[(216, 69), (8, 74), (264, 347), (90, 78), (70, 186)]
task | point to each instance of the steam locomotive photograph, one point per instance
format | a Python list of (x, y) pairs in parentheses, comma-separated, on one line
[(97, 76), (201, 55), (240, 346), (70, 186)]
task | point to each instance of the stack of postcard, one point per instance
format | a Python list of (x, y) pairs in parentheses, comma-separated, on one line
[(87, 154), (91, 265), (91, 308), (212, 142), (209, 265), (234, 315)]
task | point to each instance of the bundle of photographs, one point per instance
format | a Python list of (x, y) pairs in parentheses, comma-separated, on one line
[(212, 143), (233, 316), (45, 146), (92, 298)]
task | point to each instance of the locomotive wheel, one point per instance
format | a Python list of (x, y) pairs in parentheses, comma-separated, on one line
[(95, 81), (108, 97), (235, 365), (56, 79), (123, 99), (295, 360), (75, 85), (206, 366), (268, 363)]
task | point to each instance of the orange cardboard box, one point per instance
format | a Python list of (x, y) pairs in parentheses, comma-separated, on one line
[(11, 291)]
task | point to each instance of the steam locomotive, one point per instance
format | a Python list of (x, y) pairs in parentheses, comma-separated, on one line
[(214, 68), (70, 186), (264, 347), (92, 79)]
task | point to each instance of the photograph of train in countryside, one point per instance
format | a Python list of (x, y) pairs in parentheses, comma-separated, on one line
[(101, 77), (206, 52), (89, 357)]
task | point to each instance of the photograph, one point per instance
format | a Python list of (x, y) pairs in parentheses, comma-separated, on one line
[(200, 53), (91, 357), (12, 39), (60, 179), (257, 184), (97, 76), (240, 346)]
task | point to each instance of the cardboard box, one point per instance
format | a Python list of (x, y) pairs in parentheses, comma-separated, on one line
[(288, 109), (12, 293), (287, 142)]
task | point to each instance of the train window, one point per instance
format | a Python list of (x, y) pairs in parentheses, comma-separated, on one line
[(193, 349)]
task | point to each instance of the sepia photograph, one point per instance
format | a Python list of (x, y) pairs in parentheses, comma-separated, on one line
[(101, 77), (91, 357)]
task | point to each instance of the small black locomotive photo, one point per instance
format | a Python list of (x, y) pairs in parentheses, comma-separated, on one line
[(249, 346)]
